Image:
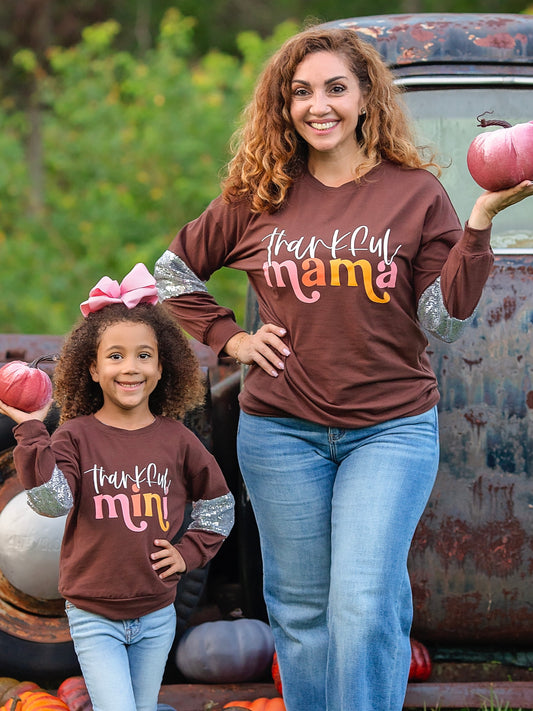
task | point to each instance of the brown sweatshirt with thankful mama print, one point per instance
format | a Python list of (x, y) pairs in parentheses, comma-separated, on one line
[(342, 269)]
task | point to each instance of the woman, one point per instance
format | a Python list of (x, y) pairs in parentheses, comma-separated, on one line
[(352, 248)]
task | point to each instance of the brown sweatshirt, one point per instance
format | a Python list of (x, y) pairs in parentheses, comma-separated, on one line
[(342, 269), (129, 487)]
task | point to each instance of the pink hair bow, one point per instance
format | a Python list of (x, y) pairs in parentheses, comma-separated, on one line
[(136, 287)]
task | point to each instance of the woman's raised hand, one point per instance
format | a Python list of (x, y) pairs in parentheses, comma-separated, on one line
[(489, 204)]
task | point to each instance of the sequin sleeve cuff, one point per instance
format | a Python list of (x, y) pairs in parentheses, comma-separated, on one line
[(174, 278), (52, 499), (434, 317), (216, 515)]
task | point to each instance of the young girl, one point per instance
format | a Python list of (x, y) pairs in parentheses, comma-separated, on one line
[(123, 467)]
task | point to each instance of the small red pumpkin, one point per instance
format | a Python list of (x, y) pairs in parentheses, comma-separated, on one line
[(261, 704), (24, 385), (276, 676), (73, 692), (502, 158), (421, 666)]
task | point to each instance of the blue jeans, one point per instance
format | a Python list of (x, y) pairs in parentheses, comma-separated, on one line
[(336, 511), (122, 661)]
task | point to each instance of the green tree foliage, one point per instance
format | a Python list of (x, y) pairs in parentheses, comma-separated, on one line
[(126, 150)]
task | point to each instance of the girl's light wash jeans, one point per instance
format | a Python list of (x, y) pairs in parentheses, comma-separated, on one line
[(122, 661), (336, 512)]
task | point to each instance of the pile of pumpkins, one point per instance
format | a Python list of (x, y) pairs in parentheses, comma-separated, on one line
[(219, 652), (242, 650), (17, 695)]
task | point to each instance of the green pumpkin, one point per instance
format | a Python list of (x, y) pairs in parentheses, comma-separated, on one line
[(226, 651)]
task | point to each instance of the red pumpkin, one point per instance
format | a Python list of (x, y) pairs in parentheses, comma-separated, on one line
[(73, 692), (24, 385), (276, 676), (261, 704), (420, 668), (502, 158)]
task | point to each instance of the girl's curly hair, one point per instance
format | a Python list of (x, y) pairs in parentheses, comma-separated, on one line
[(180, 389), (268, 152)]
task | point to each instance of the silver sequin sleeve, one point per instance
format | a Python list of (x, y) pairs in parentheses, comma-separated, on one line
[(435, 318), (215, 515), (52, 499), (174, 277)]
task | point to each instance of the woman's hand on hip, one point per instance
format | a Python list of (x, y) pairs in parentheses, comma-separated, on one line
[(265, 348)]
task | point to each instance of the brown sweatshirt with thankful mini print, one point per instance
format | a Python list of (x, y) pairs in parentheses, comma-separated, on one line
[(128, 488)]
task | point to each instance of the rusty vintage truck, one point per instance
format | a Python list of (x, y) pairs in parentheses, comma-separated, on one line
[(472, 557)]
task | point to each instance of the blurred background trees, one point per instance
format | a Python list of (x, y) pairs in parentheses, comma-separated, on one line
[(115, 118)]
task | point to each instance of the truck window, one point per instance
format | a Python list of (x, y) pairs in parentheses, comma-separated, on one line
[(445, 119)]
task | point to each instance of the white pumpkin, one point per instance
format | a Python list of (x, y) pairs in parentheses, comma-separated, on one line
[(226, 651), (29, 549)]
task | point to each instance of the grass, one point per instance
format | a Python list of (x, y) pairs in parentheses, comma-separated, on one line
[(492, 707)]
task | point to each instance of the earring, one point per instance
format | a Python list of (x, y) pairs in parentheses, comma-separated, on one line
[(363, 112)]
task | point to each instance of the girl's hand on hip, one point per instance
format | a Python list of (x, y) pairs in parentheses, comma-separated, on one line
[(169, 557), (265, 348)]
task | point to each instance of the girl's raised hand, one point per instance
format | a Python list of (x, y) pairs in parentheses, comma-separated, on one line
[(20, 416), (169, 557), (265, 348)]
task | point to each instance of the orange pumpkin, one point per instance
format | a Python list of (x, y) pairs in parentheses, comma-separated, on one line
[(35, 701), (11, 705), (262, 704), (19, 688)]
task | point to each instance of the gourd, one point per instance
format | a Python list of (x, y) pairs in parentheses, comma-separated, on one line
[(502, 158), (420, 668), (24, 385), (226, 651), (6, 683), (261, 704), (73, 692)]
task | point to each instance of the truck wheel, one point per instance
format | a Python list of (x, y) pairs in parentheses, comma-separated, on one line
[(45, 663)]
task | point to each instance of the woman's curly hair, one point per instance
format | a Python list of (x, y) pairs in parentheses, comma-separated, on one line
[(268, 152), (180, 389)]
